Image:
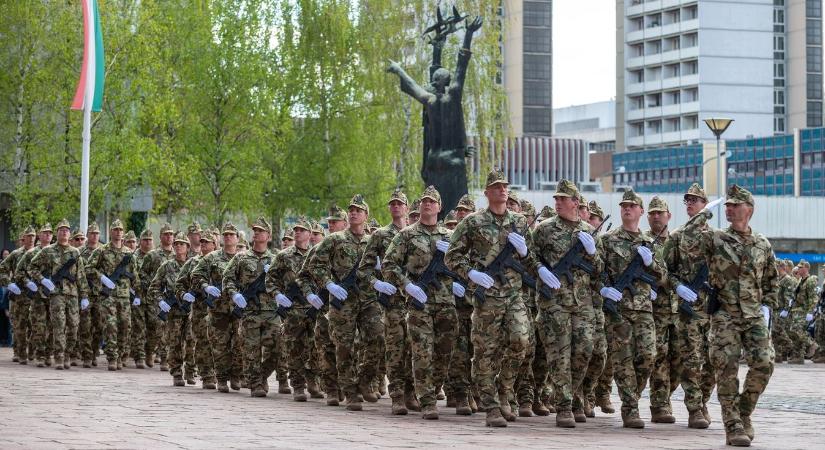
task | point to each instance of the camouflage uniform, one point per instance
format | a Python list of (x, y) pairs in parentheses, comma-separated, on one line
[(324, 346), (19, 304), (153, 335), (779, 327), (89, 328), (805, 298), (201, 346), (162, 288), (141, 324), (39, 314), (743, 273)]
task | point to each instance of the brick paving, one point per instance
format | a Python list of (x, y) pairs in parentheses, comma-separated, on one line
[(94, 408)]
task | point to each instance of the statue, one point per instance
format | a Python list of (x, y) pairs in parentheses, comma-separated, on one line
[(445, 138)]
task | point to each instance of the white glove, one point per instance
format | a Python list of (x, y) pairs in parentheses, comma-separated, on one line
[(266, 268), (384, 287), (48, 284), (213, 291), (84, 304), (766, 312), (31, 286), (189, 297), (611, 293), (549, 278), (458, 289), (136, 301), (480, 278), (283, 300), (686, 293), (653, 294), (442, 246), (107, 282), (337, 291), (377, 263), (416, 292), (809, 317), (588, 242), (646, 254), (714, 204), (164, 306), (239, 300), (783, 314), (13, 288), (518, 242), (315, 301)]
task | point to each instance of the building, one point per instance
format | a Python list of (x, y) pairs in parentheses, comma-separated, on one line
[(680, 61), (592, 122)]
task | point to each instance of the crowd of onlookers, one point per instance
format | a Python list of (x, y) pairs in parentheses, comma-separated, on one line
[(5, 319)]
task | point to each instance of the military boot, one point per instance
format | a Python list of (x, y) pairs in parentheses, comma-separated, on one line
[(587, 407), (24, 361), (578, 415), (354, 403), (15, 358), (661, 414), (66, 364), (737, 437), (283, 387), (48, 361), (299, 395), (119, 363), (86, 364), (451, 400), (548, 403), (112, 365), (605, 405), (429, 412), (462, 406), (565, 419), (58, 363), (163, 366), (314, 391), (75, 362), (150, 361), (411, 401), (41, 363), (139, 364), (706, 413), (506, 410), (368, 392), (177, 380), (796, 360), (222, 386), (208, 383), (190, 379), (332, 399), (257, 391), (398, 406), (748, 427), (441, 395), (540, 410), (235, 383), (631, 419), (525, 409), (697, 420), (494, 418)]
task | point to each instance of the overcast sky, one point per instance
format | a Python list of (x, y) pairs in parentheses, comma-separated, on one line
[(584, 51)]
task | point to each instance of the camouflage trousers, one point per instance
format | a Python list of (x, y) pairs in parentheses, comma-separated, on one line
[(145, 330), (798, 332), (261, 331), (729, 338), (397, 349), (98, 334), (432, 334), (226, 345), (189, 365), (116, 320), (281, 368), (633, 351), (782, 343), (697, 376), (595, 367), (667, 367), (299, 339), (160, 336), (819, 337), (604, 385), (42, 336), (325, 352), (64, 311), (20, 310), (177, 324), (203, 346), (500, 338), (525, 386), (362, 316), (458, 378), (568, 333)]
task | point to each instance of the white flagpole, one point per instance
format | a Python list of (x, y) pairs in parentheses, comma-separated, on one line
[(87, 126)]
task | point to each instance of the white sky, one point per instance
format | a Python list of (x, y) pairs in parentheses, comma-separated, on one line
[(584, 51)]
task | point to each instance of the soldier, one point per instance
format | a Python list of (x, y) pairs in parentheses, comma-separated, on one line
[(566, 321), (288, 240), (513, 202), (337, 255), (39, 313), (193, 234), (185, 290), (113, 267), (396, 338), (499, 322), (741, 264), (130, 240), (432, 326), (141, 323), (90, 329), (206, 278), (162, 291), (61, 262), (683, 257), (634, 332), (668, 364), (584, 209), (20, 302), (805, 298), (779, 325), (154, 333), (546, 213), (413, 215), (450, 221)]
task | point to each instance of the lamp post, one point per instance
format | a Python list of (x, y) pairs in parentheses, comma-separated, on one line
[(717, 127)]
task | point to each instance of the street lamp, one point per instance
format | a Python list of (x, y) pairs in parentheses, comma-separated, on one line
[(717, 127)]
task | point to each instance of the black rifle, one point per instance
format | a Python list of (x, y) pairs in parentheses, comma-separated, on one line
[(699, 283), (64, 273), (505, 260), (634, 271), (430, 275), (251, 293), (172, 301), (120, 272), (349, 283), (293, 292), (818, 311), (210, 300), (574, 258)]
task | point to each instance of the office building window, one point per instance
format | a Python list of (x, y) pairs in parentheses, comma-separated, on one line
[(779, 70), (537, 93), (814, 114), (779, 98), (691, 95), (814, 59), (537, 14), (537, 40), (537, 120), (813, 8), (537, 67), (779, 43), (813, 32), (690, 122), (690, 67), (637, 76), (814, 86)]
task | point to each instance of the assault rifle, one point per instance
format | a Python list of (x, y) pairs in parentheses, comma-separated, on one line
[(210, 300), (64, 272), (349, 283), (430, 275), (251, 293), (293, 292), (699, 283), (634, 271), (574, 258), (172, 301), (119, 272)]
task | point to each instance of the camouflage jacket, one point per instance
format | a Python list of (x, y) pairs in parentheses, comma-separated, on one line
[(241, 271), (183, 283), (9, 265), (284, 271), (742, 270), (408, 255), (50, 260), (86, 256), (209, 272), (683, 254), (21, 273), (805, 295), (785, 292), (550, 241), (163, 286), (667, 302), (619, 250), (376, 248), (104, 260), (148, 265), (334, 259), (478, 240)]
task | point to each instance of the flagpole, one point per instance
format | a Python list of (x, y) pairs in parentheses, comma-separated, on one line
[(87, 129)]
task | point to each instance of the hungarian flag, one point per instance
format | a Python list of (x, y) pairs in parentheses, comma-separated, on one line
[(90, 87)]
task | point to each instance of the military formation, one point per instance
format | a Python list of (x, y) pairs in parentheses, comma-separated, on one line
[(500, 310)]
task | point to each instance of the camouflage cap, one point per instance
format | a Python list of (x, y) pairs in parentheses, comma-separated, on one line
[(527, 208), (696, 191), (512, 196), (29, 231), (595, 209), (229, 228), (77, 234), (374, 223), (399, 196), (93, 228), (180, 237), (466, 202), (130, 236), (582, 201), (316, 227), (657, 204), (546, 213), (788, 263), (194, 228), (242, 242), (64, 224), (737, 195), (431, 193), (632, 197), (207, 236), (262, 224), (359, 202), (804, 263), (336, 213), (167, 229), (415, 205), (46, 228), (302, 222), (450, 218), (289, 235), (566, 188), (146, 234), (496, 176)]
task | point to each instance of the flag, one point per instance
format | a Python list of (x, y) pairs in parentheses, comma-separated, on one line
[(90, 86)]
